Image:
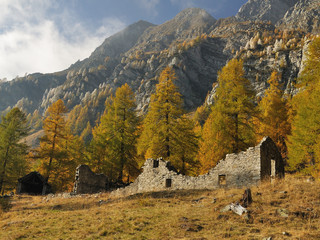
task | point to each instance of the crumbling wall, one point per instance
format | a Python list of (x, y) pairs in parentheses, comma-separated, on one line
[(236, 170), (87, 181)]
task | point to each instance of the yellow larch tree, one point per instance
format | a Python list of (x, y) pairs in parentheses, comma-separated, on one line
[(274, 118), (229, 127), (166, 131)]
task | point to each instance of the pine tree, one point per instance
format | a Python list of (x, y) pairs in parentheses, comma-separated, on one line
[(303, 144), (13, 151), (165, 131), (114, 139), (274, 119), (229, 128)]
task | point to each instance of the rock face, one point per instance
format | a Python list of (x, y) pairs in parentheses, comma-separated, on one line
[(304, 15), (236, 170), (187, 24), (265, 10)]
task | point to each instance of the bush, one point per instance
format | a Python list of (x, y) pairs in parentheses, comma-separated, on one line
[(5, 204)]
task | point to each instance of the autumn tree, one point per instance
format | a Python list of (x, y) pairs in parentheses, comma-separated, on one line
[(186, 148), (274, 119), (166, 132), (304, 143), (13, 128), (114, 140), (229, 128), (56, 161), (86, 134)]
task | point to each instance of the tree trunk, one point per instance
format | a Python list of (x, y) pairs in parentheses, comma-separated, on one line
[(44, 189), (122, 153), (183, 171), (4, 170), (167, 137), (236, 139)]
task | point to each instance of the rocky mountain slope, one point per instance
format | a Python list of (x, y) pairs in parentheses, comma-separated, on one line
[(304, 15), (195, 44), (265, 10)]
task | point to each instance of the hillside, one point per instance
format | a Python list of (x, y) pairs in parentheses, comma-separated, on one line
[(288, 209)]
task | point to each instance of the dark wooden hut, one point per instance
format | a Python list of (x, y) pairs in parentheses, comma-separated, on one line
[(33, 184)]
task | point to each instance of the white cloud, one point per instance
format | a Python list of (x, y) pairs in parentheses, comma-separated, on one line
[(150, 6), (36, 42)]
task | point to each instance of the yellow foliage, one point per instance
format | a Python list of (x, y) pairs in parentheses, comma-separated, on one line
[(229, 126), (274, 119)]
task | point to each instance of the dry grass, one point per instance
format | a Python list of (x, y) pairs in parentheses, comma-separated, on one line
[(169, 215)]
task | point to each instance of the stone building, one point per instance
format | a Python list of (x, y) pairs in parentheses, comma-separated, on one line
[(236, 170), (87, 181)]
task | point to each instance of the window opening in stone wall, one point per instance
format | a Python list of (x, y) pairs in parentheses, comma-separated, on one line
[(222, 179), (155, 163), (168, 183), (273, 168)]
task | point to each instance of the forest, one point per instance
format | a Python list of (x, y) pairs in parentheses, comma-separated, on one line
[(194, 142)]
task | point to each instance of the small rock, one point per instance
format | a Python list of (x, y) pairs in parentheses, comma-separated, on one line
[(286, 234), (267, 238), (283, 212), (283, 192), (226, 209)]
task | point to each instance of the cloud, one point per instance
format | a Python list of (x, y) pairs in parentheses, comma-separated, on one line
[(44, 42), (149, 5), (182, 4)]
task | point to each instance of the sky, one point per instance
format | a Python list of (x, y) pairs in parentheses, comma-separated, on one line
[(49, 35)]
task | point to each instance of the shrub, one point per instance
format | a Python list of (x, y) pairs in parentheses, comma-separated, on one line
[(5, 204)]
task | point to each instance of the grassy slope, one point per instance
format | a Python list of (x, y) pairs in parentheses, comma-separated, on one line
[(175, 215)]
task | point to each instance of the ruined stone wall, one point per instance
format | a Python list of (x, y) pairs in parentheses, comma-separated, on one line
[(271, 161), (236, 170), (87, 181)]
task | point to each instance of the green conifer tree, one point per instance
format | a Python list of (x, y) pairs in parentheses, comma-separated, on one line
[(13, 128)]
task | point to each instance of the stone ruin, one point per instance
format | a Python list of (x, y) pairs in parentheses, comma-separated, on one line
[(237, 170), (87, 181)]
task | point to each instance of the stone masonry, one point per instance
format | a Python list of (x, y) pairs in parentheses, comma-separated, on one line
[(87, 181), (236, 170)]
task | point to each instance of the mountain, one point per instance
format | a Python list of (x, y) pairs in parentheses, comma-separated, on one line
[(303, 15), (265, 10), (188, 24), (115, 45), (268, 35)]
